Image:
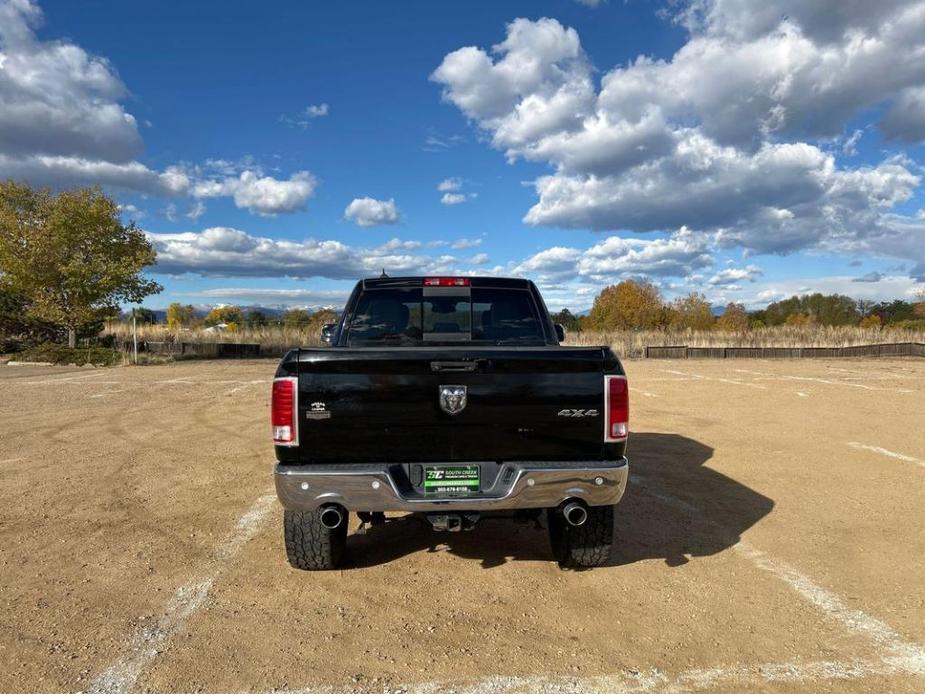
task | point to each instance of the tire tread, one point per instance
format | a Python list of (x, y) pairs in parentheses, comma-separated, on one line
[(583, 546), (309, 545)]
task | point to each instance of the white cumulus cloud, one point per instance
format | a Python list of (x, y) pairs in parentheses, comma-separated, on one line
[(449, 185), (729, 137), (453, 193), (369, 212), (316, 110), (62, 123), (731, 275), (460, 244), (452, 198), (229, 252), (676, 256)]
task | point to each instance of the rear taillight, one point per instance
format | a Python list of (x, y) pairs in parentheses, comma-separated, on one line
[(285, 411), (616, 408)]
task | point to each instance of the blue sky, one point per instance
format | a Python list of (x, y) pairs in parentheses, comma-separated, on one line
[(278, 151)]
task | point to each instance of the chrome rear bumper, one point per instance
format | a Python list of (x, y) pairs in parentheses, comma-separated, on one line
[(517, 486)]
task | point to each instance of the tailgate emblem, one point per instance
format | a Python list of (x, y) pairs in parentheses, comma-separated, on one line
[(578, 413), (452, 399)]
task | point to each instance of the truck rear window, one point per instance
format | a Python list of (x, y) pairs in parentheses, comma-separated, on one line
[(440, 315)]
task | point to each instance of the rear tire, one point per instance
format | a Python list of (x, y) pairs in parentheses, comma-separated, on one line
[(582, 546), (309, 545)]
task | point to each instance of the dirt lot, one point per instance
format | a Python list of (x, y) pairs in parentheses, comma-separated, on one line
[(773, 538)]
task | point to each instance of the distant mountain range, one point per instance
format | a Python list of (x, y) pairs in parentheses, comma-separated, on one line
[(202, 310)]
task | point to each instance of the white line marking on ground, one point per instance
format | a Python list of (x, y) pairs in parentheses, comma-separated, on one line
[(802, 394), (73, 383), (634, 389), (741, 675), (657, 681), (151, 639), (10, 460), (108, 392), (682, 373), (896, 656), (884, 451), (813, 379), (890, 643), (701, 377), (66, 379), (894, 652)]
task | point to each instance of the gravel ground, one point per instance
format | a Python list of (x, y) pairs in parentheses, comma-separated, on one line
[(771, 539)]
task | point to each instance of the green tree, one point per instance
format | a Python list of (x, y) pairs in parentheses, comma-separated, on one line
[(734, 319), (824, 309), (296, 318), (224, 314), (255, 319), (70, 255), (692, 311), (630, 304), (14, 309), (919, 308), (179, 316), (145, 316), (894, 311), (568, 320), (832, 309)]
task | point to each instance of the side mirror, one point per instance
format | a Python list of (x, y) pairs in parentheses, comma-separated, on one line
[(560, 332), (327, 333)]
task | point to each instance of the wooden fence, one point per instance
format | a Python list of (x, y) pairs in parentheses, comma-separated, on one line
[(210, 350), (897, 349)]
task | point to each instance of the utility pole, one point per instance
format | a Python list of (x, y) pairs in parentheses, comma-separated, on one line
[(135, 336)]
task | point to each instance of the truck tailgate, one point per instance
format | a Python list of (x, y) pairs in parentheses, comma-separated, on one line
[(383, 405)]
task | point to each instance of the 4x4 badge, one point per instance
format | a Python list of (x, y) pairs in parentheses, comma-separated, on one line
[(578, 413), (452, 399)]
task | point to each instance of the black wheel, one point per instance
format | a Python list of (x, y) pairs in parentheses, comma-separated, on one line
[(309, 544), (585, 545)]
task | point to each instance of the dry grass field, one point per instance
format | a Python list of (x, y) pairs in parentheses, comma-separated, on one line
[(771, 539)]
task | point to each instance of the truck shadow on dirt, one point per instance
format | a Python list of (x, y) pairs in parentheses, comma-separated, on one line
[(675, 509)]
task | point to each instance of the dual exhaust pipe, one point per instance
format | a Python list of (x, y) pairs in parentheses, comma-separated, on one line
[(332, 516)]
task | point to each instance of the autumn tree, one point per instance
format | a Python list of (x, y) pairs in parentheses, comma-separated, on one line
[(692, 312), (224, 314), (70, 255), (320, 318), (179, 316), (734, 319), (631, 304), (800, 320)]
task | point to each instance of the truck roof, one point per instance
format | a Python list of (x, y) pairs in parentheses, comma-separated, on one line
[(506, 282)]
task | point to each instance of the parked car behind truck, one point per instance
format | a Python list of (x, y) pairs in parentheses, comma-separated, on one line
[(450, 398)]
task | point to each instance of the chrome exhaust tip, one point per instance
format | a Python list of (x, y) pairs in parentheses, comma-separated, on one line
[(331, 517), (575, 514)]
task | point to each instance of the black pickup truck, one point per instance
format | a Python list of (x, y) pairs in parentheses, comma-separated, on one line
[(449, 398)]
